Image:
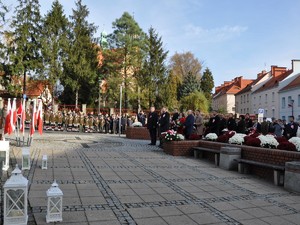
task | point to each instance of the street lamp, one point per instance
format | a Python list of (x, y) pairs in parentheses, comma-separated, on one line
[(54, 204), (121, 87)]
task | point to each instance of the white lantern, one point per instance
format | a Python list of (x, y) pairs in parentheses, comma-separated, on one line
[(15, 199), (4, 153), (25, 159), (54, 205), (44, 162)]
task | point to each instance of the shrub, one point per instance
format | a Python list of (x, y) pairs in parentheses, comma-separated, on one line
[(287, 146)]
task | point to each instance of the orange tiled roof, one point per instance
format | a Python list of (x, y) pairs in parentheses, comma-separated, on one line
[(274, 81), (295, 83)]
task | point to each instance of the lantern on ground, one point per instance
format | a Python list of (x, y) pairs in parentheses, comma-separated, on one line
[(15, 198), (44, 162), (54, 204), (4, 154), (25, 159)]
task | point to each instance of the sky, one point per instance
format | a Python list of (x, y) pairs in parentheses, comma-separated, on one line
[(230, 37)]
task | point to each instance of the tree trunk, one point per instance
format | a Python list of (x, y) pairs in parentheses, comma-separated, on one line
[(24, 83), (139, 99)]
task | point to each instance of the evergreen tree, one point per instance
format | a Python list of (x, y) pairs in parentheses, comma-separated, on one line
[(127, 41), (154, 68), (190, 84), (55, 28), (170, 91), (25, 39), (80, 65), (207, 83)]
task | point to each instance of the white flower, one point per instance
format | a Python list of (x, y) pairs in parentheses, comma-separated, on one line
[(238, 139), (296, 142), (211, 136), (268, 141), (180, 137), (137, 124)]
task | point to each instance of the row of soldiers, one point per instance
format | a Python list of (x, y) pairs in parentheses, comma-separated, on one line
[(79, 122)]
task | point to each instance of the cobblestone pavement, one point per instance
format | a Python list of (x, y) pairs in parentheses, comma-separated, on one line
[(110, 180)]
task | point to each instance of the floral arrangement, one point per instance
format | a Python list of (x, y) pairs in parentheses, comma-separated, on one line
[(252, 141), (237, 139), (211, 136), (172, 135), (281, 139), (296, 142), (287, 146), (137, 124), (194, 137), (268, 141)]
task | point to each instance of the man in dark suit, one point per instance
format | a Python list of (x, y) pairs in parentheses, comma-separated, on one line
[(164, 122), (188, 125), (152, 123), (291, 128), (215, 123)]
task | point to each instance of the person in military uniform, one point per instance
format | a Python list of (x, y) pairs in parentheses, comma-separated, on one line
[(102, 124), (46, 120), (70, 121), (86, 124), (81, 121), (76, 123), (52, 120), (96, 124), (91, 123), (59, 121)]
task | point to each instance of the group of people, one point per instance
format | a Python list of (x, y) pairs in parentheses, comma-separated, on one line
[(219, 123), (187, 125), (76, 121)]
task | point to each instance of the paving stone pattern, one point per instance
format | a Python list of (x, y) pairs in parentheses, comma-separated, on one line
[(112, 180)]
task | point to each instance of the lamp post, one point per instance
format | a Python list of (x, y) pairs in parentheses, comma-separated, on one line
[(121, 87)]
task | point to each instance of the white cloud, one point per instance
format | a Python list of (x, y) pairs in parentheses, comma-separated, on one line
[(218, 34)]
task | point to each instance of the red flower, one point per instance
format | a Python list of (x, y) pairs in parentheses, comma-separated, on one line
[(223, 138), (287, 146), (255, 142), (281, 139)]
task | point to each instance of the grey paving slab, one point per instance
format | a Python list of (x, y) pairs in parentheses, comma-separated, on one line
[(119, 181)]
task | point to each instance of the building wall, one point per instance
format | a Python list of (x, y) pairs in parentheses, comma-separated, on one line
[(285, 98), (243, 103)]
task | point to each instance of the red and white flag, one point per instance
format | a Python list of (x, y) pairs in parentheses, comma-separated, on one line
[(13, 117), (33, 118), (39, 116), (22, 114), (8, 128)]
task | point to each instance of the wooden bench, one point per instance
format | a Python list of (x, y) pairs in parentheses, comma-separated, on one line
[(198, 153), (278, 170)]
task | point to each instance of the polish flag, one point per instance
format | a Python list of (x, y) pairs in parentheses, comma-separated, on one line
[(8, 128), (39, 116), (22, 114), (33, 118), (13, 118)]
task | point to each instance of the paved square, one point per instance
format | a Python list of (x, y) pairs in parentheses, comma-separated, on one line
[(110, 180)]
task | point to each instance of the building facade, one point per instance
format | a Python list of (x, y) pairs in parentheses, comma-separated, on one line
[(224, 96)]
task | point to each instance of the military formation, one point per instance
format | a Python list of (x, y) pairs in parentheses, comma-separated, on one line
[(72, 121)]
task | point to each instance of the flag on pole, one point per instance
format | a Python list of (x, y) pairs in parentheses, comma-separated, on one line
[(13, 117), (8, 128), (39, 115), (22, 114), (33, 118)]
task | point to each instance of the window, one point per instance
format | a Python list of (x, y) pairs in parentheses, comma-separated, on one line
[(283, 117), (241, 98), (266, 112), (247, 97), (266, 98), (298, 117), (244, 98), (259, 99), (273, 112), (290, 100), (273, 96), (283, 102), (247, 110), (298, 100)]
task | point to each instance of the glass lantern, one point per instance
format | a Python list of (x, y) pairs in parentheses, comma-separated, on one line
[(44, 162), (54, 204), (25, 159), (15, 199), (4, 154)]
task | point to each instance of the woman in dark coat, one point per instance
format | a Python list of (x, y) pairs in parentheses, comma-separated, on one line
[(241, 126)]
